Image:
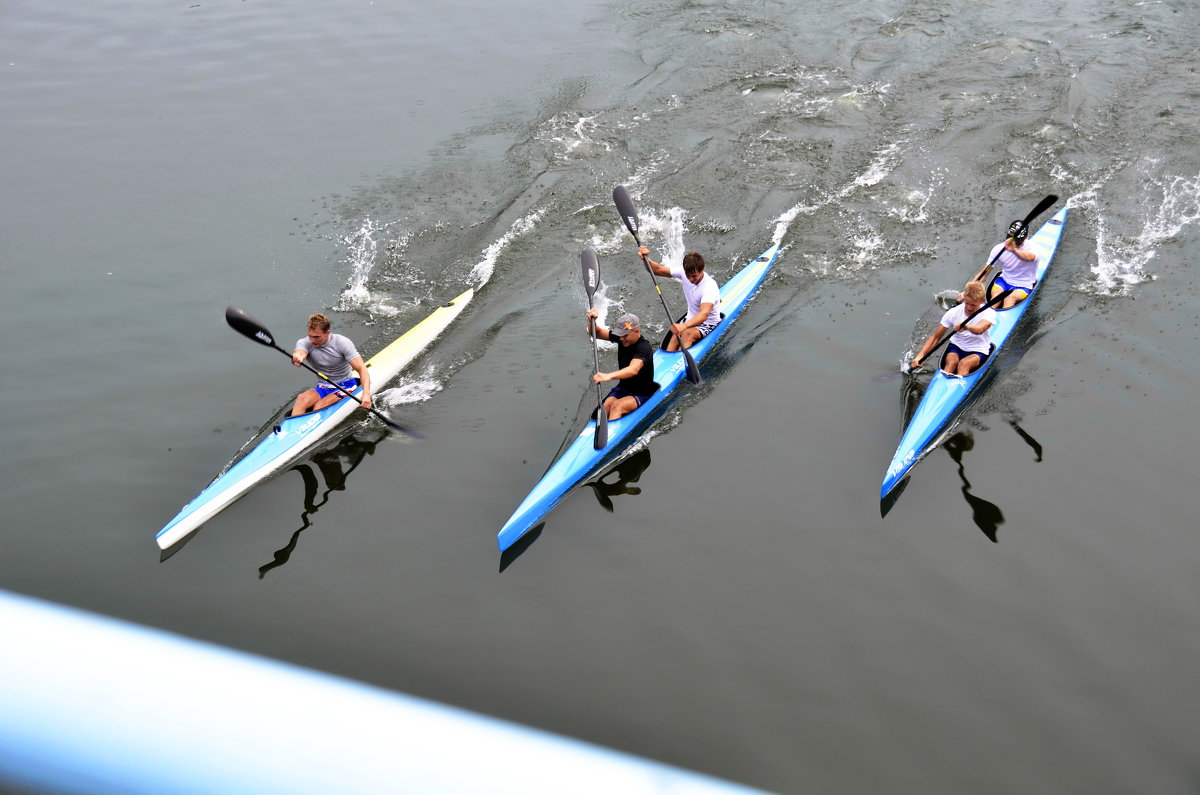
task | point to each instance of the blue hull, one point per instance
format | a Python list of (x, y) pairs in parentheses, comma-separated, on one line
[(581, 460), (947, 395)]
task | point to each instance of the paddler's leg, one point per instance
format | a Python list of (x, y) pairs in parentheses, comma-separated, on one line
[(304, 402), (328, 400), (619, 407), (968, 364), (950, 363), (1015, 297)]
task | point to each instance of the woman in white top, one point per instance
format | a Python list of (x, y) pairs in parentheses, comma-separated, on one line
[(971, 344)]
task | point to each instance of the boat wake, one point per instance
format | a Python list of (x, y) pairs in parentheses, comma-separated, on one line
[(483, 270)]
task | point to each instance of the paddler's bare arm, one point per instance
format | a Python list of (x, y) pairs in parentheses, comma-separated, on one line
[(659, 270), (364, 378), (934, 338)]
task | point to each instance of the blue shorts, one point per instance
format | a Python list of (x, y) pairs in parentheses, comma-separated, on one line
[(617, 393), (1002, 285), (983, 357), (324, 388)]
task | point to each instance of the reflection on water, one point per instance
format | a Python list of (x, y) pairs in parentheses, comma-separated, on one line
[(987, 515), (627, 472), (616, 480), (335, 465), (1029, 440)]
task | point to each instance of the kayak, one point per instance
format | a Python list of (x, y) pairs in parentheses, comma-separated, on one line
[(947, 395), (293, 436), (581, 460)]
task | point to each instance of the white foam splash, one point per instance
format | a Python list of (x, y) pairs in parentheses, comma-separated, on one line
[(484, 269), (669, 229), (361, 247), (866, 247), (409, 390), (884, 162), (1122, 260), (573, 134), (362, 252)]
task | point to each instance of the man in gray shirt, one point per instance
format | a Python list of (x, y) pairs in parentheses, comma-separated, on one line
[(335, 356)]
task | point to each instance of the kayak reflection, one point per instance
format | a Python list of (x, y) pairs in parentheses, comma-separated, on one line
[(628, 472), (987, 515), (335, 465)]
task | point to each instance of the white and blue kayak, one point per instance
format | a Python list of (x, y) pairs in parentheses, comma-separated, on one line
[(947, 395), (581, 460), (294, 436)]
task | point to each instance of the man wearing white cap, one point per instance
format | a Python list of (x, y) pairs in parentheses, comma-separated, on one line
[(635, 365)]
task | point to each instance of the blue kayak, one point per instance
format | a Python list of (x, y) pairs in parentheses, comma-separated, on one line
[(581, 460), (947, 395)]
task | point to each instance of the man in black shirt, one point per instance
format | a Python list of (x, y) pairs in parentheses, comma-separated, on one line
[(635, 366)]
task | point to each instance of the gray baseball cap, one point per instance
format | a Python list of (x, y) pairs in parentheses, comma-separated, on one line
[(625, 324)]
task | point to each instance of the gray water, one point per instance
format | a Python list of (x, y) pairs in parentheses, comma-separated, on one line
[(1023, 618)]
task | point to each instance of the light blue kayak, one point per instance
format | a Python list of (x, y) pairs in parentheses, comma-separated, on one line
[(947, 395), (581, 460)]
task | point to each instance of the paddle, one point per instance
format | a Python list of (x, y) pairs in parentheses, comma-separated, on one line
[(591, 280), (629, 215), (1041, 207), (995, 300), (249, 327)]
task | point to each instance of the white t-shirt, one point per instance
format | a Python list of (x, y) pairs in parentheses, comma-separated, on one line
[(706, 292), (968, 340), (1016, 271)]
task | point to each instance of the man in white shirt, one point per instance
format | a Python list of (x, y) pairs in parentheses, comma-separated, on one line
[(702, 293)]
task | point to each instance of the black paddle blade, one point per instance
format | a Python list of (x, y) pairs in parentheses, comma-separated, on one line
[(626, 209), (693, 372), (1042, 206), (601, 439), (591, 271), (247, 326)]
